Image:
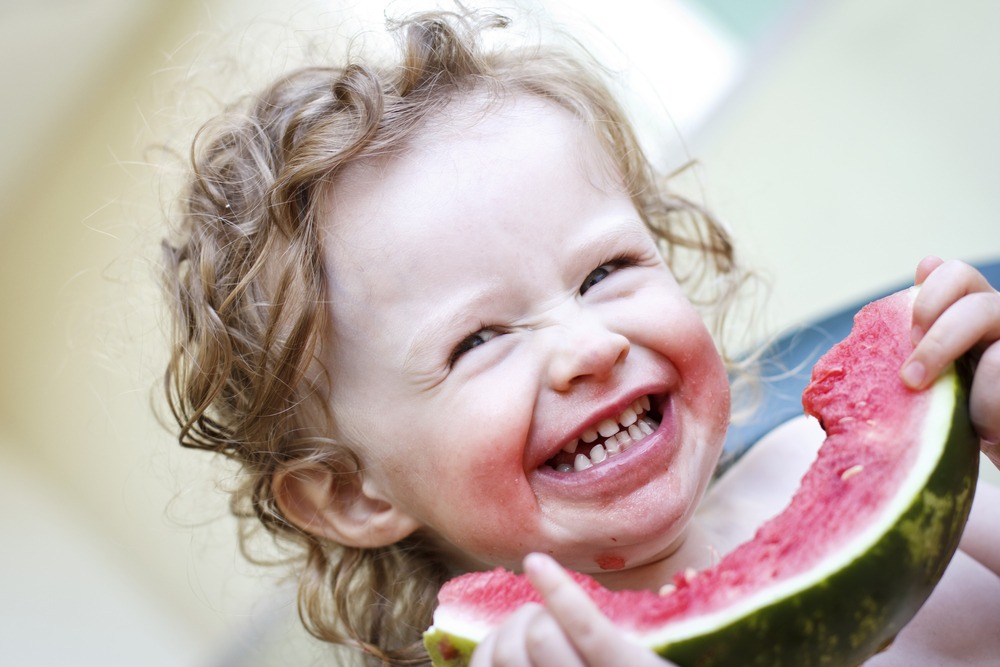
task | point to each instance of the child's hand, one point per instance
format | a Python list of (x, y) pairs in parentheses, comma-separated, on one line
[(569, 631), (957, 311)]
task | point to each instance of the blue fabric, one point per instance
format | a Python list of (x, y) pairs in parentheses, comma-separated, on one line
[(787, 365)]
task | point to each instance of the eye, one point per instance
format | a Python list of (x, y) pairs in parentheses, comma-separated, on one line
[(481, 337), (603, 271)]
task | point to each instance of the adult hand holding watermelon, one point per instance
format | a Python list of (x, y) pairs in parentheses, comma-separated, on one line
[(797, 607)]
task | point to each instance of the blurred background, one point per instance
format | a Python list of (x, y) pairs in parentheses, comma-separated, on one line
[(842, 140)]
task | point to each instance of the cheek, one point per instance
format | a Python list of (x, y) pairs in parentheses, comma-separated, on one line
[(708, 382), (491, 521), (705, 383), (713, 385), (483, 515), (465, 479)]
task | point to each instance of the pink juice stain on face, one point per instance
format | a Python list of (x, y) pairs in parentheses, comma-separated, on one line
[(610, 562)]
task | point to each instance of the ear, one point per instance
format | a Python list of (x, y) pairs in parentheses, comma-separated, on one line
[(339, 506)]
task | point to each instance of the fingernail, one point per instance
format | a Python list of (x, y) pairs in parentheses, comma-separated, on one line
[(543, 572), (916, 334), (538, 562), (914, 374)]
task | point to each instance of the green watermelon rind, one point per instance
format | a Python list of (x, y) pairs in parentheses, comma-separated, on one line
[(851, 611), (448, 650), (858, 609)]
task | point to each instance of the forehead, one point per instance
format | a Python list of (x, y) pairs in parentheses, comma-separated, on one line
[(469, 161), (484, 202)]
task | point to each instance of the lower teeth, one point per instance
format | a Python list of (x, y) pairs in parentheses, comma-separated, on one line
[(611, 447)]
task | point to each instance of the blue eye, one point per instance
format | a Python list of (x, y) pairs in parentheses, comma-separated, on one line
[(594, 277), (603, 271), (481, 337)]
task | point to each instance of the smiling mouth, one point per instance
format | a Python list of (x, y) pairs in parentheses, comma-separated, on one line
[(607, 439)]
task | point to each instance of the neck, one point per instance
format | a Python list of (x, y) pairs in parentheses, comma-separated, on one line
[(697, 549)]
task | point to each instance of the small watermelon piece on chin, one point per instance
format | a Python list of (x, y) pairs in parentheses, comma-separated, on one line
[(834, 577)]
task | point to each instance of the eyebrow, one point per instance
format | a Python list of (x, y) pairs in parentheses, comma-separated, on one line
[(617, 237), (460, 315)]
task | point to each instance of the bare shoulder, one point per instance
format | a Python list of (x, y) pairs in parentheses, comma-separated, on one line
[(957, 624), (981, 539), (781, 456), (762, 482)]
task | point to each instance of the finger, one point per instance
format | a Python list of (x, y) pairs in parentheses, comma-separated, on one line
[(547, 644), (944, 284), (570, 606), (973, 320), (505, 647), (597, 640), (482, 656), (925, 267), (530, 637), (984, 402)]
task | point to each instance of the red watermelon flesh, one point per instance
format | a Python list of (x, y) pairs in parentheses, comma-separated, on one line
[(870, 466)]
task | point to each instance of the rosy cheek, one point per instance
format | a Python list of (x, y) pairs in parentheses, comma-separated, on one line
[(707, 374), (494, 521)]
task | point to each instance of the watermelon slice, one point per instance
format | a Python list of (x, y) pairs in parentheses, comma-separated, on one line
[(834, 577)]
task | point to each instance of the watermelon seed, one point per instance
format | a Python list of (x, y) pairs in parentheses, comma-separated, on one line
[(713, 555), (667, 589), (851, 472)]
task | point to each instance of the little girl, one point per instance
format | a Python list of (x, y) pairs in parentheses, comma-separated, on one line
[(447, 318)]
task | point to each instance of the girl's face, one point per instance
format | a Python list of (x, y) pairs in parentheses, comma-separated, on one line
[(497, 301)]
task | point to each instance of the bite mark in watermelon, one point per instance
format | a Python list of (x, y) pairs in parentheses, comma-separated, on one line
[(833, 578)]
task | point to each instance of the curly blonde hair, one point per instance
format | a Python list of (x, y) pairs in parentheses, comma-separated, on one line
[(246, 280)]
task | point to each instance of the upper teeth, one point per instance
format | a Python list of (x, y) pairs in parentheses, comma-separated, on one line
[(631, 426)]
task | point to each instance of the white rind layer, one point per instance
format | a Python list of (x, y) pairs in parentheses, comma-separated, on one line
[(936, 428)]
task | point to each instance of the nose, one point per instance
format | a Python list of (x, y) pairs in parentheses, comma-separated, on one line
[(585, 349)]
